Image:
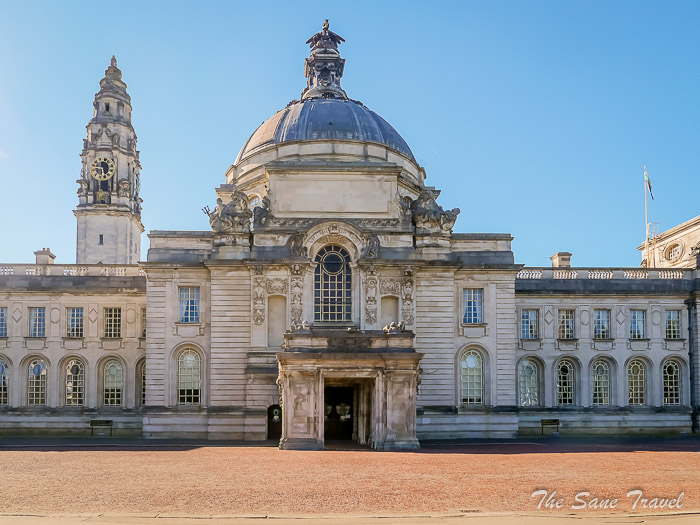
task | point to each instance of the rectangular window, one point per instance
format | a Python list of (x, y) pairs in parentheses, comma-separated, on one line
[(3, 321), (102, 239), (529, 324), (107, 107), (74, 322), (37, 322), (189, 305), (473, 306), (601, 324), (143, 323), (638, 323), (113, 322), (673, 324), (566, 324)]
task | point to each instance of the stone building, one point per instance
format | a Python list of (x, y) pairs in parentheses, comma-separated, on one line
[(329, 300)]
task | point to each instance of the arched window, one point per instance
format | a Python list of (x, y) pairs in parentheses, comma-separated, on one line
[(332, 285), (472, 378), (75, 382), (566, 382), (189, 372), (600, 373), (141, 382), (636, 382), (672, 382), (529, 383), (4, 380), (36, 383), (113, 383)]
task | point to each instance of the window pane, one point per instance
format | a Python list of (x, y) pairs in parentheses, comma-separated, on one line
[(566, 382), (189, 367), (472, 375), (473, 306), (529, 383), (3, 321), (189, 305), (601, 382), (332, 285), (636, 382), (74, 322), (37, 322), (75, 382), (4, 381), (673, 324), (601, 325), (529, 324), (36, 383), (566, 324), (113, 322), (638, 324), (113, 383)]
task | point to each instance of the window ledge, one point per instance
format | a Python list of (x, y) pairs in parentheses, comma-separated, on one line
[(535, 339), (35, 337), (475, 325), (565, 339), (603, 339), (674, 338), (640, 339), (73, 338), (184, 323)]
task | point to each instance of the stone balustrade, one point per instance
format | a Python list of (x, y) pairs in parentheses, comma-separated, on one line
[(605, 273), (71, 270)]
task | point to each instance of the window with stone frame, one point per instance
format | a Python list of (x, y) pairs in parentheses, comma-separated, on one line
[(638, 324), (4, 381), (36, 383), (74, 322), (113, 383), (473, 303), (601, 324), (142, 375), (566, 382), (332, 285), (529, 383), (112, 323), (672, 382), (189, 304), (600, 375), (75, 382), (189, 376), (3, 321), (636, 382), (566, 327), (529, 324), (143, 323), (673, 324), (37, 321), (472, 378)]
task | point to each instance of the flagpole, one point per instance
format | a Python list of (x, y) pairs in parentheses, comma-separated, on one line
[(646, 217)]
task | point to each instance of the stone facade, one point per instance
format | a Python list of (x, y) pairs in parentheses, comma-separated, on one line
[(329, 300)]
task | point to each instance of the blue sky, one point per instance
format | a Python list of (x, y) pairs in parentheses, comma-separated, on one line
[(533, 117)]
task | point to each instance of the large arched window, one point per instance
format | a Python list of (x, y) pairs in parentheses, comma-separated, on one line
[(332, 285), (75, 382), (4, 380), (529, 383), (566, 382), (636, 382), (672, 382), (113, 383), (600, 373), (472, 378), (189, 373), (36, 382)]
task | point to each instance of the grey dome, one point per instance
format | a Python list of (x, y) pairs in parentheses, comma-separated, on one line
[(325, 118)]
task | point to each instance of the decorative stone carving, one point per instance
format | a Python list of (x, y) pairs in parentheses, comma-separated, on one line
[(429, 217), (261, 214), (324, 67), (390, 286), (407, 309), (233, 217), (83, 187), (296, 288), (333, 233), (301, 327), (124, 189), (296, 245), (277, 286), (372, 248), (259, 300), (395, 327), (371, 298)]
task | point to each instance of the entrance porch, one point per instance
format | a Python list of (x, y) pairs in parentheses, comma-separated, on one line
[(366, 393)]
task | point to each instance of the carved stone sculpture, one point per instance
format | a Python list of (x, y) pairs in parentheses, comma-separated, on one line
[(372, 249), (371, 302), (429, 217), (259, 300), (261, 214), (124, 189), (233, 217), (407, 309), (296, 245), (296, 289)]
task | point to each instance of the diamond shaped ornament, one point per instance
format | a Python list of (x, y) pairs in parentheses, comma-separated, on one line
[(17, 315), (548, 317), (92, 316), (620, 317)]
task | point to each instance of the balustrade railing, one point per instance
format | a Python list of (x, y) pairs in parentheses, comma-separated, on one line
[(72, 270)]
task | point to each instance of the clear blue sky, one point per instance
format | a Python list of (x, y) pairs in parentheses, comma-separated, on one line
[(534, 118)]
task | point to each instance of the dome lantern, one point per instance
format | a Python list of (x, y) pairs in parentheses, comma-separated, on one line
[(324, 68)]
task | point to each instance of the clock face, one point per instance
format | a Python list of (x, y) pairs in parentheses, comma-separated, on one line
[(102, 168)]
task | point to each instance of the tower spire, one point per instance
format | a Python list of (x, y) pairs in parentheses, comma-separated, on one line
[(324, 67)]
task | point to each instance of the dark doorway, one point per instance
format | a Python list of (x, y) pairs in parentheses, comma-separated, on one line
[(274, 422), (338, 412)]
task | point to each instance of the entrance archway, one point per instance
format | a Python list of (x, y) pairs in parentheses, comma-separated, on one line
[(274, 422)]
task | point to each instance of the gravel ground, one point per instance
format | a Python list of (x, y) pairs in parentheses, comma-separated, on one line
[(210, 480)]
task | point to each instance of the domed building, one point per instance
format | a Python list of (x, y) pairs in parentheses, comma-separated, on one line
[(330, 300)]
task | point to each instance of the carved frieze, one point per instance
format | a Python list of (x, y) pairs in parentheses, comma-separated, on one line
[(407, 308), (390, 286), (259, 300), (296, 289), (371, 299), (277, 286)]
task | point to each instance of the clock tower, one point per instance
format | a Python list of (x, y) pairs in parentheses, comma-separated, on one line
[(109, 207)]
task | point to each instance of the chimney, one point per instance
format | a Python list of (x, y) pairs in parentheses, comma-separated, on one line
[(561, 260), (44, 256)]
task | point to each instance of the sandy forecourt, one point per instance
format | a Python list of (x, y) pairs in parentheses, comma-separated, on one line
[(230, 480)]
